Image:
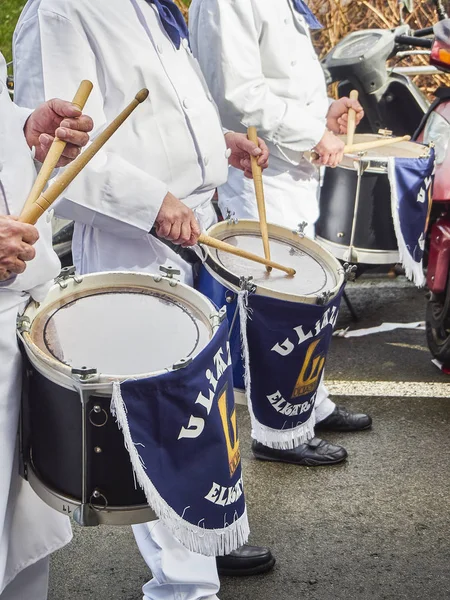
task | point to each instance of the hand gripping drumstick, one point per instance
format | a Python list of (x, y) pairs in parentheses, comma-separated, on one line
[(351, 126), (56, 149), (259, 191), (355, 148), (219, 245), (31, 214)]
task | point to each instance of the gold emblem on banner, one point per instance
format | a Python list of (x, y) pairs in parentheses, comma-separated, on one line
[(312, 368), (230, 431)]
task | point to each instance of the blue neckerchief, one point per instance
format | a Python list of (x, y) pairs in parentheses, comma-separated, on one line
[(172, 20), (306, 12)]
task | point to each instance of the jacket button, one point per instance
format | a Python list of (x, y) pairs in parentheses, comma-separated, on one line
[(228, 153), (185, 43), (206, 161), (186, 103), (287, 21)]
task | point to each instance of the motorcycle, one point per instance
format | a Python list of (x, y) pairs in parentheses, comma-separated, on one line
[(435, 126), (392, 101)]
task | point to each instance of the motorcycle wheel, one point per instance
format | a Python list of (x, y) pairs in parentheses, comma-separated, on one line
[(438, 325)]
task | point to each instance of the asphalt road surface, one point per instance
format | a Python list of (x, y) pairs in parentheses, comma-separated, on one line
[(377, 527)]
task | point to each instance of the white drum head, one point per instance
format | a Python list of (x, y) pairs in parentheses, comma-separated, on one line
[(317, 272), (122, 325)]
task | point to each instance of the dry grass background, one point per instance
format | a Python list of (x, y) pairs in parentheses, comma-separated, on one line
[(341, 17)]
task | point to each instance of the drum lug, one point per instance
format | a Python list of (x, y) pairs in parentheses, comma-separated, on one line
[(324, 298), (385, 132), (67, 273), (219, 317), (169, 273), (23, 324), (85, 374), (231, 217), (351, 255), (301, 229), (86, 516), (246, 284), (182, 363), (349, 272), (230, 297), (426, 153)]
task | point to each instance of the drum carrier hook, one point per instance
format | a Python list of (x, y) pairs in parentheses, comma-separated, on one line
[(170, 273), (231, 217), (300, 231), (65, 275)]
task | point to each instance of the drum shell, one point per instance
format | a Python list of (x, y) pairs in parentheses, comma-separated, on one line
[(222, 286), (375, 240), (52, 425)]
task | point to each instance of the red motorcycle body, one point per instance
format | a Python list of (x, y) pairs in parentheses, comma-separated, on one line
[(439, 253)]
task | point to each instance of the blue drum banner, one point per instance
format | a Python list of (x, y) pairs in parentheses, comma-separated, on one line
[(181, 432), (410, 180), (285, 345)]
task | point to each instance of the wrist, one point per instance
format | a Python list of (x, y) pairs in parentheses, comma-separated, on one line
[(228, 137), (27, 133), (29, 136)]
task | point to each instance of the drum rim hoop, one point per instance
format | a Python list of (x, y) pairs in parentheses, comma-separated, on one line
[(45, 361), (232, 279)]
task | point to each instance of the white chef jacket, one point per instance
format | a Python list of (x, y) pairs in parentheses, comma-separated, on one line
[(262, 70), (29, 530), (17, 173), (173, 142)]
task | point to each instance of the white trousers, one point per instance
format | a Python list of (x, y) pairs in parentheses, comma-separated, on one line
[(178, 574), (291, 196)]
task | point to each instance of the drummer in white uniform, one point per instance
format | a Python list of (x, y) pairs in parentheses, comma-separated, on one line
[(29, 530), (262, 70), (161, 170)]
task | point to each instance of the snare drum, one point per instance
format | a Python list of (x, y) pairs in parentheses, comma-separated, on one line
[(355, 222), (89, 332), (318, 280)]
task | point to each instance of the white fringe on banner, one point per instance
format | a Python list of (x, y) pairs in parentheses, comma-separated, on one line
[(280, 439), (413, 270), (208, 542)]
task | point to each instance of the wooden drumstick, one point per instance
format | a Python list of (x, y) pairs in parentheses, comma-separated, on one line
[(252, 135), (351, 126), (32, 213), (355, 148), (56, 149), (375, 144), (219, 245)]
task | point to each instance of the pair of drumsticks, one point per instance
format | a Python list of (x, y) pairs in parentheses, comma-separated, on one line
[(350, 147), (39, 201)]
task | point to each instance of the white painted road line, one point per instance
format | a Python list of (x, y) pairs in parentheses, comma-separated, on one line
[(384, 389)]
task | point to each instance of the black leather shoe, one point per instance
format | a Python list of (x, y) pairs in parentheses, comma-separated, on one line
[(314, 453), (342, 419), (246, 560)]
